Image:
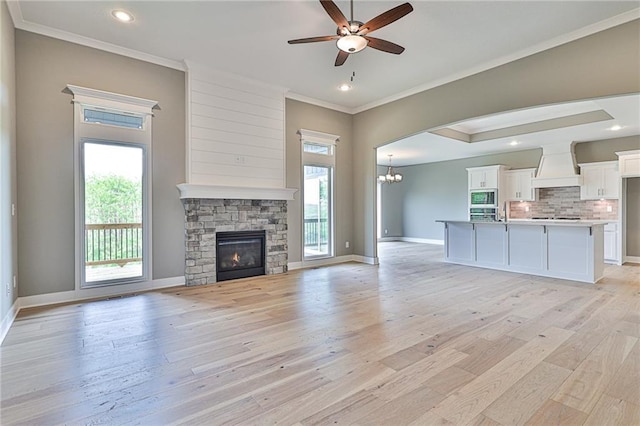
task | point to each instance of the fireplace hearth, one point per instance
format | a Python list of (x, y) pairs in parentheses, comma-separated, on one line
[(240, 254), (206, 219)]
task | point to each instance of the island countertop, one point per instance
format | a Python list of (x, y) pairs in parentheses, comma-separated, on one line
[(568, 249), (550, 222)]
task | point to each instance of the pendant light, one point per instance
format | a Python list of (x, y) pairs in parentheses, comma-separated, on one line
[(392, 176)]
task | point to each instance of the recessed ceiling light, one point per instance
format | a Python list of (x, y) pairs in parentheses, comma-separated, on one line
[(616, 127), (122, 15), (344, 87), (514, 143)]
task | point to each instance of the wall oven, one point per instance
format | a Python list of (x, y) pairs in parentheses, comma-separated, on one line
[(483, 205), (483, 198)]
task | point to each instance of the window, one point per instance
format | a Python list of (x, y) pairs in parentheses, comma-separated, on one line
[(112, 136), (113, 118), (318, 162)]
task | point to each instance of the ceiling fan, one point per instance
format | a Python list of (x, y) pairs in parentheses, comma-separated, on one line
[(353, 36)]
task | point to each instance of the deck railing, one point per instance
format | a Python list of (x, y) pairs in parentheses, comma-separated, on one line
[(315, 232), (113, 243)]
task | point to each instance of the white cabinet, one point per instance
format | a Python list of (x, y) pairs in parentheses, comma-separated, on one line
[(629, 163), (611, 246), (600, 181), (487, 177), (518, 185)]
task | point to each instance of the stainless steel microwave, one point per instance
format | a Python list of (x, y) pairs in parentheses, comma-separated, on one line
[(484, 198)]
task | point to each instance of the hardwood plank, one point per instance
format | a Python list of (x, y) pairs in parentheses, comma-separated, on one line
[(465, 404), (357, 344), (584, 386), (614, 411), (523, 399), (554, 413), (626, 383)]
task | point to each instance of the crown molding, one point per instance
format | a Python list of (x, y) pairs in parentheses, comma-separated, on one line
[(301, 98), (20, 23), (614, 21)]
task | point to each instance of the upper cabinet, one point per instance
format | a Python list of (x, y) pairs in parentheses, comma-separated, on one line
[(600, 181), (487, 177), (629, 163), (518, 185)]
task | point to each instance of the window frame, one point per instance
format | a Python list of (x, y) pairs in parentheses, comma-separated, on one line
[(85, 98), (315, 159)]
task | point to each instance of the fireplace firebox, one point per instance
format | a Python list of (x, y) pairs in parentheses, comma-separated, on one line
[(240, 254)]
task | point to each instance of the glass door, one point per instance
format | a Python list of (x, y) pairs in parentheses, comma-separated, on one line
[(113, 192), (317, 211)]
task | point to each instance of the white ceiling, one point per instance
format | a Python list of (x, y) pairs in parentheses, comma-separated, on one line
[(428, 147), (444, 41)]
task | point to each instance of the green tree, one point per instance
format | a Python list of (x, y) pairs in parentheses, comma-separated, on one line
[(113, 199)]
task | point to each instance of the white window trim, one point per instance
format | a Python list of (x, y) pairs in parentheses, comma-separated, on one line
[(322, 160), (85, 97)]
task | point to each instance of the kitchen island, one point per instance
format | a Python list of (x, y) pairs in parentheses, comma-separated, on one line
[(572, 250)]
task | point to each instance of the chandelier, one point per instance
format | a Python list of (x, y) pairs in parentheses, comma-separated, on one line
[(392, 176)]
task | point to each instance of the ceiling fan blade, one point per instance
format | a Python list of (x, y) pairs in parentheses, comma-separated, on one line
[(335, 13), (384, 45), (313, 39), (342, 56), (385, 18)]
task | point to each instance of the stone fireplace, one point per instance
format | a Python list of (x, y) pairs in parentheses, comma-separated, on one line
[(210, 211)]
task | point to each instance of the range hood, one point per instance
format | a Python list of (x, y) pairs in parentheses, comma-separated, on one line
[(557, 167)]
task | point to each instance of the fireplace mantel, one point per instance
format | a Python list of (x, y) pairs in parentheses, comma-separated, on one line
[(189, 190)]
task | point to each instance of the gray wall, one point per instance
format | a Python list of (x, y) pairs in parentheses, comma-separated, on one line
[(605, 150), (300, 115), (565, 73), (391, 199), (8, 189), (44, 67), (633, 216), (439, 191)]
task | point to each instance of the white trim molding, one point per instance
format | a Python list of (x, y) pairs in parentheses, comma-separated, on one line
[(292, 266), (412, 240), (8, 319), (98, 292), (190, 190), (95, 97), (314, 136), (632, 259)]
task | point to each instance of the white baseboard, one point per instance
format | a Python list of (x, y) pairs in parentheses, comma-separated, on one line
[(413, 240), (632, 259), (98, 292), (8, 319), (292, 266)]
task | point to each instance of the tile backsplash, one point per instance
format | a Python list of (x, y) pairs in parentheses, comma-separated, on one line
[(563, 202)]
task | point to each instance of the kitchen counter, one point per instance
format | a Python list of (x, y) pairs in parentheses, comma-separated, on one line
[(553, 222), (568, 249)]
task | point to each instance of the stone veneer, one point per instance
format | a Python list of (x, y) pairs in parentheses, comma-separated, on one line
[(205, 217), (564, 202)]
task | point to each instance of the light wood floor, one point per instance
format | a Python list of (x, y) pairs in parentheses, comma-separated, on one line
[(413, 341)]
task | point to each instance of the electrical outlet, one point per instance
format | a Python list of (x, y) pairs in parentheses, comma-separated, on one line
[(346, 244), (386, 231), (13, 209), (14, 282), (526, 208), (609, 209)]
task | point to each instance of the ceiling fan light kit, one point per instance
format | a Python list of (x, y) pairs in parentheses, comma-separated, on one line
[(352, 36)]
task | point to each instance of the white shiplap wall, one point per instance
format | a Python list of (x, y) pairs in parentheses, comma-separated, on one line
[(236, 131)]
